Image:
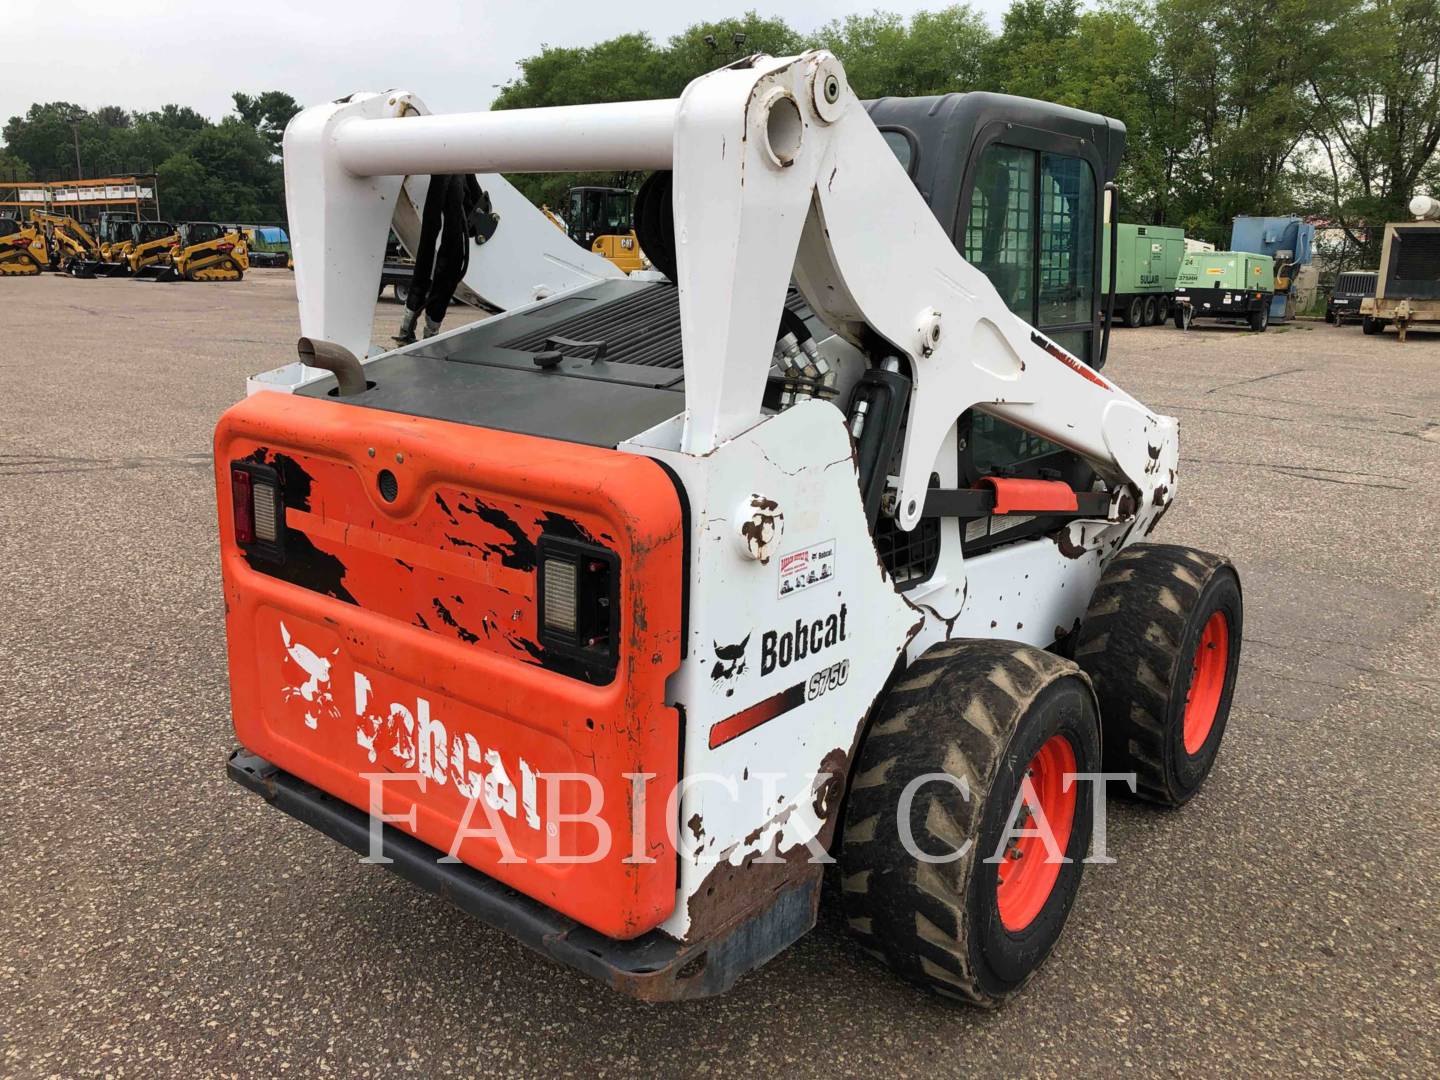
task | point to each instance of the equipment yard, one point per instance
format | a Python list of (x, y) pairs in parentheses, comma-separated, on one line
[(162, 921)]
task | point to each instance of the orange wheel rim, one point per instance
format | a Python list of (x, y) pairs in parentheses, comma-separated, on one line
[(1207, 681), (1026, 875)]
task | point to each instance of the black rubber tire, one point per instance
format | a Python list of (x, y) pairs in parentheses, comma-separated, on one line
[(1151, 315), (1371, 325), (977, 710), (402, 292), (1135, 312), (1162, 308), (1184, 317), (1260, 319), (1138, 645)]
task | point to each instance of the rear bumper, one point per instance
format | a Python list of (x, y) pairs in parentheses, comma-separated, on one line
[(652, 967)]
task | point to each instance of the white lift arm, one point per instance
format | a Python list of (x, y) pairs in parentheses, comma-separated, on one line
[(778, 172), (338, 235)]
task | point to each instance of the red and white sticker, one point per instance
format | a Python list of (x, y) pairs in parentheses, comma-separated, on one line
[(813, 565)]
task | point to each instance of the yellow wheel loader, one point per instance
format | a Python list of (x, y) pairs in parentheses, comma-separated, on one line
[(204, 251), (23, 251)]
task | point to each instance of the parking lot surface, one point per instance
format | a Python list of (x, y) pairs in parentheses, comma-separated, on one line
[(157, 920)]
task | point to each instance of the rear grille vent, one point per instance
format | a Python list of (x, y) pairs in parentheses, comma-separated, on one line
[(642, 328)]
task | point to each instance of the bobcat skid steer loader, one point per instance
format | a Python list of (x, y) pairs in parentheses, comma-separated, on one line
[(616, 618)]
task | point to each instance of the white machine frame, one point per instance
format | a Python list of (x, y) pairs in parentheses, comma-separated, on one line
[(779, 175)]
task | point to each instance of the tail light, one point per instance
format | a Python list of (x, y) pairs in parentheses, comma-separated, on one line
[(578, 596), (259, 512)]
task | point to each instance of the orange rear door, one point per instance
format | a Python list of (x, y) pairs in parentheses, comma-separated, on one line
[(383, 586)]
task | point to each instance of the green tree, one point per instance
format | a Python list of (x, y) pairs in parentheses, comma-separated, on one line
[(1375, 79), (267, 113), (934, 53)]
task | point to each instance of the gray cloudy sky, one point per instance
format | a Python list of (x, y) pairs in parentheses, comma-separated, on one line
[(140, 54)]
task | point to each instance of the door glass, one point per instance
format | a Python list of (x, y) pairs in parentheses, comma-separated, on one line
[(1000, 232), (1067, 240), (618, 218)]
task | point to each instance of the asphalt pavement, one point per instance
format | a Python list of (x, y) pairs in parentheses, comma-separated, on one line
[(157, 920)]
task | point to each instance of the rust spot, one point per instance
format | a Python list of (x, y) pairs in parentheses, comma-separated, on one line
[(1159, 498), (1068, 547), (696, 826)]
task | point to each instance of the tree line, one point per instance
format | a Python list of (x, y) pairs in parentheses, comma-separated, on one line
[(225, 171), (1328, 108)]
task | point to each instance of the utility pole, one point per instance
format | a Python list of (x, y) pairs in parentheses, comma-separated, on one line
[(74, 120)]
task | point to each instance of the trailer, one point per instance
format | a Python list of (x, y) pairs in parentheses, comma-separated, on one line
[(1228, 286), (1147, 263), (1407, 291)]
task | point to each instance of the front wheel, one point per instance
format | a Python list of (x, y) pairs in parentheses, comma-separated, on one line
[(965, 825), (1184, 316), (402, 291), (1162, 645), (1371, 325)]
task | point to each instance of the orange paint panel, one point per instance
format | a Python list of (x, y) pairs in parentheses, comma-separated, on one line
[(1015, 495), (400, 637)]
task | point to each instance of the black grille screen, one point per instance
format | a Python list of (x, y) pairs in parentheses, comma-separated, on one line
[(1414, 264), (910, 557), (1355, 283)]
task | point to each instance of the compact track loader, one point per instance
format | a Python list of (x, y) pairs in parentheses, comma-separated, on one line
[(150, 244), (23, 250), (618, 617), (202, 251)]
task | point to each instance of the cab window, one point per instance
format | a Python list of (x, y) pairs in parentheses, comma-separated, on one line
[(1067, 241), (1000, 231)]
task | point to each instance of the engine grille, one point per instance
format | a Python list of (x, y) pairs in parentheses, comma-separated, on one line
[(642, 328)]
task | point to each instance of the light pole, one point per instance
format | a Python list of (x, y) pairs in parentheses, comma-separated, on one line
[(74, 121)]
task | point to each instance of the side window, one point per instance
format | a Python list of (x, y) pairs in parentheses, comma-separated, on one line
[(1067, 241), (1000, 231)]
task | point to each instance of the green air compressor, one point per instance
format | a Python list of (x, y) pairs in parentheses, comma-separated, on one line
[(1147, 260), (1229, 286)]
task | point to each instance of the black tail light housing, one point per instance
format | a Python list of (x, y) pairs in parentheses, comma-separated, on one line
[(578, 602), (258, 506)]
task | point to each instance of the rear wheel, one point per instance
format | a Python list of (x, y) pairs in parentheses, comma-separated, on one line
[(402, 291), (1371, 325), (1135, 312), (1162, 645), (1184, 316), (957, 890), (1151, 311), (1260, 319), (1162, 308)]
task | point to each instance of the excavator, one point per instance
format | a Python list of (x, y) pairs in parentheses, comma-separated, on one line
[(602, 220), (201, 251), (616, 617), (87, 250), (23, 251)]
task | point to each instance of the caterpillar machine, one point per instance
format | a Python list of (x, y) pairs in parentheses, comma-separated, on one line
[(201, 251), (23, 250), (618, 617), (150, 244), (73, 248), (602, 220)]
